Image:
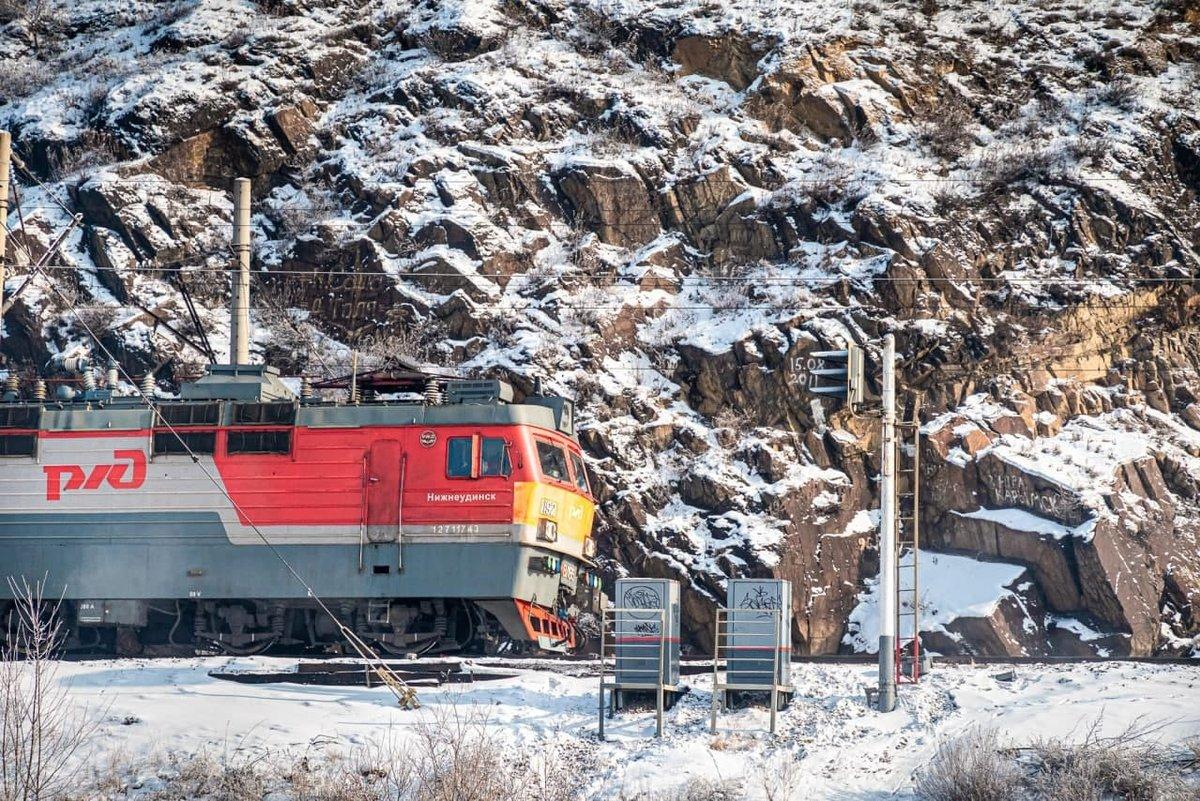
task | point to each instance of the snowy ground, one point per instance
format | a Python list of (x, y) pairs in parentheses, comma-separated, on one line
[(830, 744)]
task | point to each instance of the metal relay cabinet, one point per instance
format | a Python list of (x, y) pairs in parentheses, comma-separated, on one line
[(753, 639), (759, 631), (642, 607)]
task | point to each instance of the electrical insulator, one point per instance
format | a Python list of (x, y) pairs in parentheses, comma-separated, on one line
[(433, 393)]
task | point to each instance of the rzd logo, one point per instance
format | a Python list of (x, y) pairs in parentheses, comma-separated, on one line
[(62, 478)]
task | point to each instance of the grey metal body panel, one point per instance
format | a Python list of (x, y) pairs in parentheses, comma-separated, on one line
[(639, 641), (420, 414), (71, 418), (759, 626), (125, 415), (154, 557), (245, 382)]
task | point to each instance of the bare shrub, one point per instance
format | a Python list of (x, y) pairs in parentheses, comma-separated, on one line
[(699, 789), (458, 759), (22, 77), (1121, 92), (97, 319), (781, 779), (44, 20), (970, 768), (596, 31), (454, 757), (947, 126), (1004, 166), (734, 419), (42, 735), (1128, 766), (170, 13), (727, 296), (385, 349)]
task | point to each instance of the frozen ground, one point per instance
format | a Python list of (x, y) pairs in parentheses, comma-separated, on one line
[(829, 746)]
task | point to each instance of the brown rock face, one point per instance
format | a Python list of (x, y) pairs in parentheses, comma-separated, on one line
[(729, 58), (612, 201)]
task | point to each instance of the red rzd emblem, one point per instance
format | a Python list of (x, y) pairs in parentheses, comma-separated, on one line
[(62, 478)]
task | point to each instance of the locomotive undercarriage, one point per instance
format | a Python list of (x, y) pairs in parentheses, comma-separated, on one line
[(252, 626)]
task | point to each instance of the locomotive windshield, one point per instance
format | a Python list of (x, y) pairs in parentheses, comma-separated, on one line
[(554, 461)]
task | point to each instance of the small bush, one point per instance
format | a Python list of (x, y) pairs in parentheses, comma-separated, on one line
[(1003, 166), (1121, 92), (22, 77), (1129, 766), (970, 768), (693, 790), (947, 127)]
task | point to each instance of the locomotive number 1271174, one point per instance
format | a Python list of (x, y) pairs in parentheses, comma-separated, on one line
[(456, 528)]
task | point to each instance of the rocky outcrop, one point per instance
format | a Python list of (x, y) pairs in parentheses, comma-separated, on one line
[(611, 200), (666, 215)]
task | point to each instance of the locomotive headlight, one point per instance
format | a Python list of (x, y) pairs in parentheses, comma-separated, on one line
[(589, 548), (547, 530)]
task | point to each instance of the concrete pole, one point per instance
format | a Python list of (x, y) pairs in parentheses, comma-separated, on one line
[(887, 535), (5, 161), (239, 318)]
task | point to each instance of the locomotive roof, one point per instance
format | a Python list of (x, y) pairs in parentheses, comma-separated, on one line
[(129, 414), (228, 391)]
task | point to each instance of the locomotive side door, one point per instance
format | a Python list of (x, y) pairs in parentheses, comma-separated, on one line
[(381, 488)]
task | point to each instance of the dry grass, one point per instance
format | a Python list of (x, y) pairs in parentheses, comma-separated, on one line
[(970, 768), (454, 756), (1132, 766)]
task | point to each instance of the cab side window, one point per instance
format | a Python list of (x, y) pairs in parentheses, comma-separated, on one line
[(459, 457), (581, 479), (553, 461), (494, 459)]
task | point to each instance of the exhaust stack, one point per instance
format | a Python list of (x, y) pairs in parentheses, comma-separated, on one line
[(239, 313), (239, 380)]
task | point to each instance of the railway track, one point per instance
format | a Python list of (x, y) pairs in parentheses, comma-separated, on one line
[(339, 671)]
